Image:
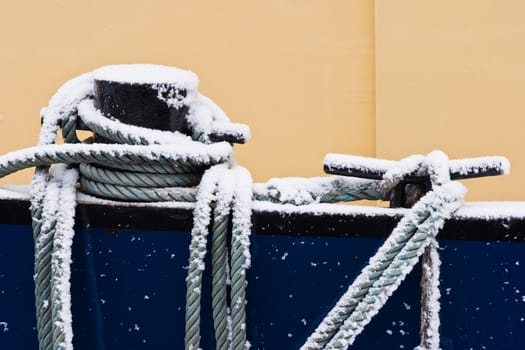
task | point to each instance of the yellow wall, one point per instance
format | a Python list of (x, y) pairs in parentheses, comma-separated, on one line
[(300, 73), (451, 75), (385, 78)]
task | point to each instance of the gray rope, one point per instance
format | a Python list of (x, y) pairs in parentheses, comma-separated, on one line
[(128, 178), (199, 233), (219, 263), (429, 324), (43, 247), (227, 188), (386, 269), (393, 261), (240, 256), (140, 169)]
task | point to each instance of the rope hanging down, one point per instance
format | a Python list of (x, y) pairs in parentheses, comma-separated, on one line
[(151, 165), (392, 262), (147, 165)]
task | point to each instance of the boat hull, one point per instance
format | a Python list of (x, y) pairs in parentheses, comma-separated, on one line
[(128, 285)]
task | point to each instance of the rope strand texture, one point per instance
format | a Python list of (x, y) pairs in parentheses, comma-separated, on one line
[(158, 172), (143, 165), (391, 263), (149, 165)]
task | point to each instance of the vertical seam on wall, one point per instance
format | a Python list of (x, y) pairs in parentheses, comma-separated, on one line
[(374, 64)]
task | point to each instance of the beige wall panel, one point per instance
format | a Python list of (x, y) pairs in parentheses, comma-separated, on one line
[(451, 76), (300, 73)]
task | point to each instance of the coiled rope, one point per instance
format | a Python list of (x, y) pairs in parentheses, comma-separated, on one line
[(149, 166), (144, 165)]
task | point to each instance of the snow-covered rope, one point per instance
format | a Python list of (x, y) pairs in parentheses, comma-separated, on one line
[(152, 165), (301, 191), (393, 261), (61, 256), (145, 165)]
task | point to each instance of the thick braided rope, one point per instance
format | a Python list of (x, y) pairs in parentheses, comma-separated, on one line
[(122, 185), (219, 262), (386, 285), (61, 258), (43, 248), (160, 158), (111, 172), (43, 237), (157, 157), (150, 166), (199, 233), (386, 269), (436, 164), (230, 189), (240, 255), (331, 189), (430, 294)]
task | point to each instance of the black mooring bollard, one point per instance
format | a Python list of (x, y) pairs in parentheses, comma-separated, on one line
[(148, 96)]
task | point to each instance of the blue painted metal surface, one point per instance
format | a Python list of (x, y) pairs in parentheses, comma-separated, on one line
[(129, 291)]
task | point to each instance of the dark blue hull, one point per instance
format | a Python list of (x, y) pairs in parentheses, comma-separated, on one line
[(128, 290)]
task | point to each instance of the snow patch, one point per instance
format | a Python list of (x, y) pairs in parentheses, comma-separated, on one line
[(147, 74)]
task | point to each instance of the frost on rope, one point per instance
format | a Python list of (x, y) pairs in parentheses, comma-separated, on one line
[(397, 172), (61, 256), (430, 298), (444, 200), (91, 116), (242, 211), (437, 167), (200, 154), (301, 191), (63, 104), (202, 216), (205, 117), (469, 210)]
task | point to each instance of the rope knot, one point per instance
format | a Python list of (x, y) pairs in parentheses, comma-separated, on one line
[(435, 166)]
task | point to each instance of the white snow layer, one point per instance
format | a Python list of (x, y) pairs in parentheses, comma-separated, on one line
[(61, 257), (198, 153), (460, 166), (206, 117), (479, 164), (90, 115), (148, 74), (242, 211), (430, 295), (469, 210), (63, 104), (491, 210), (443, 201), (20, 192), (326, 209), (363, 164), (301, 190)]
